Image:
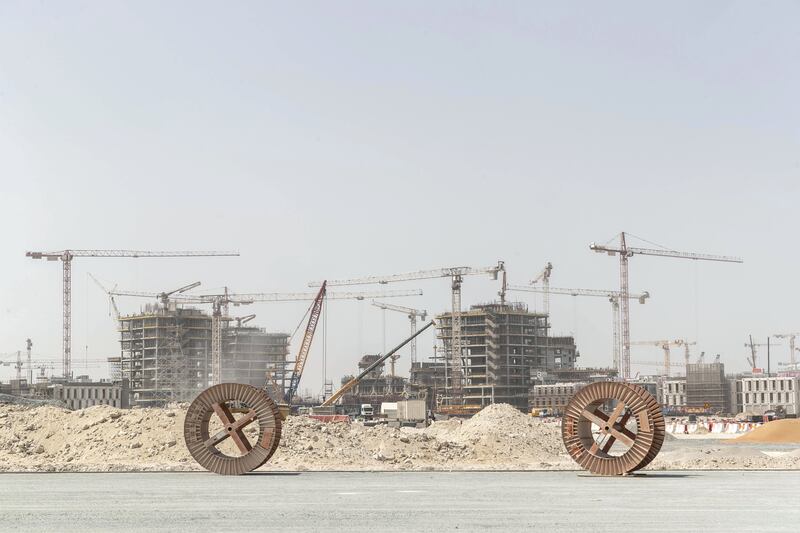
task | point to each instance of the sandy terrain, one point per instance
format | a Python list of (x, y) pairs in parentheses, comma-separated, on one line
[(48, 438)]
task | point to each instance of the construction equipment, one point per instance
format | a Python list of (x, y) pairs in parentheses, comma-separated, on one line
[(544, 278), (353, 382), (456, 275), (66, 257), (28, 346), (626, 252), (666, 345), (412, 314), (621, 442), (305, 346), (792, 348), (753, 359), (220, 302), (112, 302), (613, 297)]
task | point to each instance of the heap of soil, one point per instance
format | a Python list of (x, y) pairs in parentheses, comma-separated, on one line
[(777, 431)]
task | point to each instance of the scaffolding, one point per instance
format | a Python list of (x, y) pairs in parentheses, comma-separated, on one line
[(249, 354), (164, 354)]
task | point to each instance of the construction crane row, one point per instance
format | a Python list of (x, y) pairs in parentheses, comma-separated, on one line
[(619, 299)]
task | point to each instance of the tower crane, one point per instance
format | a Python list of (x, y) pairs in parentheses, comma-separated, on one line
[(219, 303), (753, 359), (625, 253), (66, 257), (28, 346), (412, 314), (456, 275), (613, 297), (666, 345), (792, 348), (544, 278)]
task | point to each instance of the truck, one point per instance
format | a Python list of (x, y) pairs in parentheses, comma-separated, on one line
[(410, 413), (367, 411)]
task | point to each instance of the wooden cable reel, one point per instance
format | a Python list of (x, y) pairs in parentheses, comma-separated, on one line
[(232, 428), (613, 428)]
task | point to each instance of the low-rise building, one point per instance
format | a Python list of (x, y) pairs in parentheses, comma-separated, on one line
[(770, 393), (672, 394), (554, 397), (85, 393)]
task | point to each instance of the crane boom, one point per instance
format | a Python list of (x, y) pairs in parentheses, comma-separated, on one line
[(353, 382), (302, 355), (447, 272), (625, 253), (603, 293), (66, 257)]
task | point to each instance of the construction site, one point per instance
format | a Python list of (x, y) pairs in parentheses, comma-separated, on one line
[(496, 368)]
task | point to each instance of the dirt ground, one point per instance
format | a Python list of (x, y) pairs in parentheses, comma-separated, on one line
[(49, 439)]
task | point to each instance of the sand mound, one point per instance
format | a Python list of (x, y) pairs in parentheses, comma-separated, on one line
[(47, 438), (777, 431)]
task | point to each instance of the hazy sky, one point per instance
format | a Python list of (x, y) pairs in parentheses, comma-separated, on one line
[(339, 139)]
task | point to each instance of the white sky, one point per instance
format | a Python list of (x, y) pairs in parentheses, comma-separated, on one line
[(345, 139)]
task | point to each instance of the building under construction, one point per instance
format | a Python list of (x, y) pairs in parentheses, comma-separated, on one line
[(165, 354), (250, 353), (707, 388), (504, 346)]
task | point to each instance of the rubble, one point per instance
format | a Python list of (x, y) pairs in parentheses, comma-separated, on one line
[(102, 438)]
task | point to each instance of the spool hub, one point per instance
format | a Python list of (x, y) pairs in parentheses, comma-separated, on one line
[(613, 428), (232, 428)]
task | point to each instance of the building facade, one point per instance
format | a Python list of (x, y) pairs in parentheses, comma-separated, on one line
[(554, 397), (502, 346), (772, 393), (85, 393), (673, 394), (707, 388)]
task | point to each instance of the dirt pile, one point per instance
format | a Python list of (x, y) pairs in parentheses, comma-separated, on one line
[(102, 438), (777, 431)]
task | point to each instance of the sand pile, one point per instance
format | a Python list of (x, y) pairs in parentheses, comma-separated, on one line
[(777, 431), (102, 438)]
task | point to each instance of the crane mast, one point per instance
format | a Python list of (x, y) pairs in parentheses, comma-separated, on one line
[(792, 348), (625, 253), (66, 257)]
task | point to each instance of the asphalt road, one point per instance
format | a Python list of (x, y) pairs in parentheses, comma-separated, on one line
[(408, 501)]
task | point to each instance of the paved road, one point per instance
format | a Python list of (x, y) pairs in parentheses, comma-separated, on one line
[(408, 501)]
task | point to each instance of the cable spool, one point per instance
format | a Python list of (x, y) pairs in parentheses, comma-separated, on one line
[(232, 428), (613, 428)]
